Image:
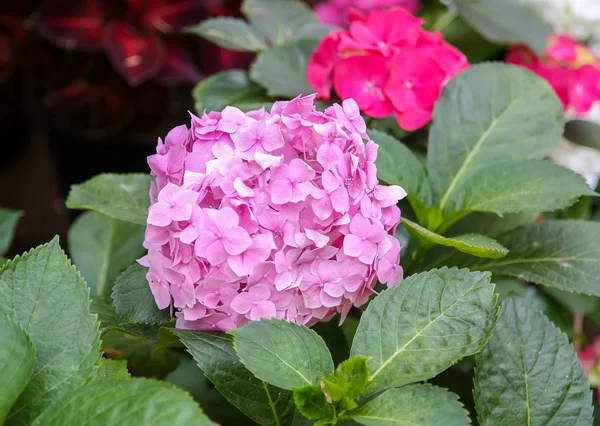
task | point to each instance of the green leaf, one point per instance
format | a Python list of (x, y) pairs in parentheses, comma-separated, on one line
[(112, 369), (491, 225), (563, 254), (349, 380), (44, 293), (473, 244), (507, 22), (334, 338), (121, 196), (416, 330), (586, 133), (282, 70), (527, 186), (284, 354), (575, 303), (133, 299), (232, 87), (422, 405), (17, 355), (397, 165), (8, 223), (102, 247), (311, 402), (529, 374), (280, 20), (230, 33), (488, 114), (107, 316), (144, 357), (214, 354), (115, 402)]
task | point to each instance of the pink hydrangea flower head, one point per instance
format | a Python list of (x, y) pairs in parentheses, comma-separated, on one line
[(570, 67), (269, 214), (388, 64)]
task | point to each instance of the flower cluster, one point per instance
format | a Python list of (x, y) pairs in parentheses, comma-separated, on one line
[(336, 12), (274, 214), (388, 64), (571, 68)]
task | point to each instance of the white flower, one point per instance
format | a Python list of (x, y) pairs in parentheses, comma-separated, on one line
[(581, 159), (580, 18)]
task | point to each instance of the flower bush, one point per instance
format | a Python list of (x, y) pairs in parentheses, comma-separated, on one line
[(264, 215), (388, 64), (261, 272)]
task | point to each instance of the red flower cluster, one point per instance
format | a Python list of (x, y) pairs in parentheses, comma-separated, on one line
[(571, 68), (388, 64), (136, 34)]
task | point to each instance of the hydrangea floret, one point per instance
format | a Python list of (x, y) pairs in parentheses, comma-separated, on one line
[(388, 64), (269, 214), (571, 68), (337, 12)]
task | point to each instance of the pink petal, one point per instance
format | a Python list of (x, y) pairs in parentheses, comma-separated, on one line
[(242, 303), (281, 192), (194, 313), (369, 251), (353, 245), (215, 252), (360, 225), (242, 189), (236, 241), (265, 309), (319, 239), (159, 214)]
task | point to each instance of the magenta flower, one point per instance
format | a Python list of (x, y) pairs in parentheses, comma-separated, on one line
[(269, 214), (388, 64)]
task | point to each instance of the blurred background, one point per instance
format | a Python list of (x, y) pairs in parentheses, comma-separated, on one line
[(87, 87)]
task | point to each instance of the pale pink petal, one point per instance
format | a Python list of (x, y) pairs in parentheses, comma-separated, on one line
[(215, 252), (242, 303), (264, 309), (159, 214), (353, 245), (236, 240), (281, 192)]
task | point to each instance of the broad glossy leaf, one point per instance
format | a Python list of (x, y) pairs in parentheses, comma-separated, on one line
[(349, 380), (17, 355), (506, 21), (232, 87), (133, 299), (280, 20), (488, 114), (44, 293), (282, 70), (214, 354), (414, 331), (311, 402), (282, 353), (491, 224), (103, 307), (397, 165), (112, 369), (230, 33), (422, 405), (115, 402), (527, 186), (8, 223), (121, 196), (529, 374), (144, 357), (563, 254), (474, 244), (102, 247)]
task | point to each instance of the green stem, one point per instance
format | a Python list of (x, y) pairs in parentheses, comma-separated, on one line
[(443, 21)]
